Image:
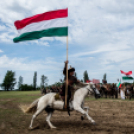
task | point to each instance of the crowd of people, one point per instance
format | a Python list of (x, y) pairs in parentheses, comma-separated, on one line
[(102, 89), (124, 91)]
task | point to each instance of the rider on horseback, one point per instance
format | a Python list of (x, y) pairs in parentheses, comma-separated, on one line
[(71, 80)]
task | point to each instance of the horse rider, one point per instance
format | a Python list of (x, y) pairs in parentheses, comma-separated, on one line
[(71, 81)]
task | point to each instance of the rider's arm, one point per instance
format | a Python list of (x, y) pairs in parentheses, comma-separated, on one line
[(64, 71), (78, 81)]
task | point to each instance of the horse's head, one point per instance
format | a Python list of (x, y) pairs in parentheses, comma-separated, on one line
[(93, 90)]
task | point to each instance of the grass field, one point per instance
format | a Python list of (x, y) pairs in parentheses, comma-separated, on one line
[(112, 116)]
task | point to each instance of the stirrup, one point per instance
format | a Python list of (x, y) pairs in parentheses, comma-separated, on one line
[(68, 110)]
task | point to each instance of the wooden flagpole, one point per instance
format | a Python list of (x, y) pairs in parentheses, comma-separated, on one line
[(66, 88)]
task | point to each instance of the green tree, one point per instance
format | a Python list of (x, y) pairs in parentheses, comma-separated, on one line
[(85, 76), (9, 81), (44, 81), (105, 77), (26, 87), (104, 80), (20, 82), (35, 80)]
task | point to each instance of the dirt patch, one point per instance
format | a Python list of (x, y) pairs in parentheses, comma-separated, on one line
[(111, 118), (6, 100), (2, 107), (7, 103)]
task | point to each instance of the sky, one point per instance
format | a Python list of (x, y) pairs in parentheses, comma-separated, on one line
[(101, 40)]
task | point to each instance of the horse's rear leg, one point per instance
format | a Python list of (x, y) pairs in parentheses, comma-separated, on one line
[(79, 109), (48, 120), (39, 110)]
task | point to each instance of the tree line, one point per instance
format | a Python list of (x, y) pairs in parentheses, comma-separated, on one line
[(10, 81)]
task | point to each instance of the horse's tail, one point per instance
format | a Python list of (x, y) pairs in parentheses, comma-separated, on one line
[(29, 109)]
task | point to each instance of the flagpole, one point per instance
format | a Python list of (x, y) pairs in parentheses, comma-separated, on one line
[(66, 89)]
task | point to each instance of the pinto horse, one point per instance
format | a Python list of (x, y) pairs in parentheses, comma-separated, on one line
[(49, 104)]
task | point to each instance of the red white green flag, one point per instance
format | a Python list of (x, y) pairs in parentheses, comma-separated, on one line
[(127, 75), (118, 84), (48, 24)]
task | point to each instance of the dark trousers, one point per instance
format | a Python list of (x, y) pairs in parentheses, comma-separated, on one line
[(68, 94)]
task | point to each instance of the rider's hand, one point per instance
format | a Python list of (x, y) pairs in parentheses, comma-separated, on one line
[(67, 82), (66, 61)]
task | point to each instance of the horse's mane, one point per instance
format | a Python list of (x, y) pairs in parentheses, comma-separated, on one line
[(80, 85)]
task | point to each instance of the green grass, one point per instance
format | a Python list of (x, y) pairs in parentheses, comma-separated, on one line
[(9, 102), (16, 93), (18, 96)]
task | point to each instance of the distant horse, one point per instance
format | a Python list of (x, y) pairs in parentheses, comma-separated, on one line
[(129, 93), (49, 104), (98, 91), (109, 90)]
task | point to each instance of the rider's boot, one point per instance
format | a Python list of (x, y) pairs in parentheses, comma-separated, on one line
[(68, 109)]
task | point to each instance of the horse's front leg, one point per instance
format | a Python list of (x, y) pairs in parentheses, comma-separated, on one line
[(79, 109), (87, 109), (82, 106)]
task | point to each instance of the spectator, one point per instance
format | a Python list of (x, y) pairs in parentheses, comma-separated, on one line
[(122, 92)]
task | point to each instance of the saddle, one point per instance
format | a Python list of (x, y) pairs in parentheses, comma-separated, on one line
[(58, 97), (62, 98)]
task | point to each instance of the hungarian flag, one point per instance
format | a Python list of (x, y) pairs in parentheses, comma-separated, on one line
[(48, 24), (127, 76)]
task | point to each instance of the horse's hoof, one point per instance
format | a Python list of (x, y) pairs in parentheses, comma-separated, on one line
[(53, 127), (32, 128), (94, 123), (82, 118)]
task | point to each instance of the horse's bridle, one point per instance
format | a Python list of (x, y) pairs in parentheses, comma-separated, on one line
[(90, 91)]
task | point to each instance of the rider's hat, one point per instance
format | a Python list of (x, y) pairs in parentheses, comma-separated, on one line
[(71, 69)]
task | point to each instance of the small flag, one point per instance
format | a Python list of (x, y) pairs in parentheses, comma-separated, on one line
[(118, 85), (127, 76)]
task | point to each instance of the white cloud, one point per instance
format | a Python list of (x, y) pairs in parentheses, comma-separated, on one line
[(2, 27), (100, 34), (93, 23), (1, 51), (47, 39), (40, 42), (45, 44), (25, 67)]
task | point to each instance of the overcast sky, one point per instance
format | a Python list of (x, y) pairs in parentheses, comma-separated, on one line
[(101, 39)]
